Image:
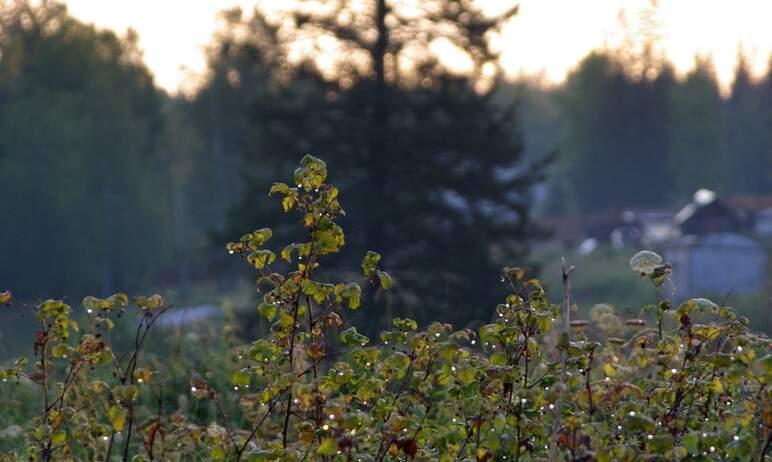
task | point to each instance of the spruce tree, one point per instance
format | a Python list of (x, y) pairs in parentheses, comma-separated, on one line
[(434, 160)]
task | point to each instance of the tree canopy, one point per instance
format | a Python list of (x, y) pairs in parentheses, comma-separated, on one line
[(80, 121), (433, 156)]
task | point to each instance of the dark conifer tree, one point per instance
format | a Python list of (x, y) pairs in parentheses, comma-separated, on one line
[(435, 162)]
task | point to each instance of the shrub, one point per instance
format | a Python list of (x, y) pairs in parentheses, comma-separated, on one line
[(533, 385)]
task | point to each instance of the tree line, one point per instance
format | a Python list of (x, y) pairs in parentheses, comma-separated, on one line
[(107, 182), (650, 140)]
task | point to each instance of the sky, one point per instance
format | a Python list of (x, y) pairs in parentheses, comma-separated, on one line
[(546, 39)]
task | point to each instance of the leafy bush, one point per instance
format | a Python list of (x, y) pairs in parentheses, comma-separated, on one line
[(533, 385)]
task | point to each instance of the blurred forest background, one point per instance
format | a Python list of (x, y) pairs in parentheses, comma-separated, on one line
[(108, 183)]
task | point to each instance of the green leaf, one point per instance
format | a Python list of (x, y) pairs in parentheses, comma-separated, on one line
[(641, 422), (350, 337), (329, 237), (405, 325), (659, 444), (259, 237), (370, 262), (311, 173), (59, 437), (267, 310), (261, 455), (498, 359), (130, 393), (117, 416), (153, 302), (398, 361), (466, 374), (62, 350), (241, 378), (691, 441), (385, 279), (260, 258), (328, 447), (287, 203), (217, 454), (354, 294), (281, 188), (489, 332)]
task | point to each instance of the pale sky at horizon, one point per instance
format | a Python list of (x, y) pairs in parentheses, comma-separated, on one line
[(547, 37)]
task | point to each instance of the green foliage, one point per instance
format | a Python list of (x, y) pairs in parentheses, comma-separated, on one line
[(639, 128), (696, 109), (80, 154), (616, 129), (695, 389)]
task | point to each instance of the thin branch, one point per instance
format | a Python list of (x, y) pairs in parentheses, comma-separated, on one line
[(563, 357)]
